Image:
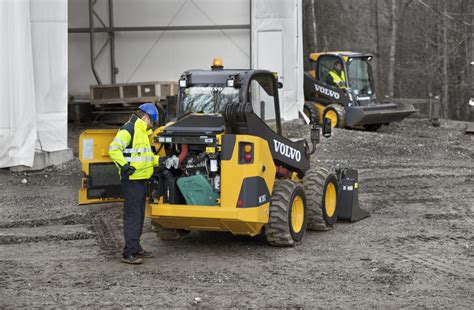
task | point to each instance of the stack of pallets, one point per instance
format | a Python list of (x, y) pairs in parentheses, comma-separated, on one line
[(113, 103)]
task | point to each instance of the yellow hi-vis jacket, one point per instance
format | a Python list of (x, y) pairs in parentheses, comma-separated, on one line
[(339, 80), (131, 146)]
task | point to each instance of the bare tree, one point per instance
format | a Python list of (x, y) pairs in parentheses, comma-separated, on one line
[(313, 16), (422, 46), (445, 60), (393, 47)]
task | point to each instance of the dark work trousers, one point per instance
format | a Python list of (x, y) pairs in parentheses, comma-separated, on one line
[(134, 192)]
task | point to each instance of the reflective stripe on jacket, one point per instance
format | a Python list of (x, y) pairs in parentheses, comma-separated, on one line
[(339, 80), (131, 146)]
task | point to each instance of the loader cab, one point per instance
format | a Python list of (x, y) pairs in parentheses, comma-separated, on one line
[(357, 70), (212, 92)]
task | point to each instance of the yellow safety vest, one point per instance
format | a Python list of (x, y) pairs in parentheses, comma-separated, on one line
[(131, 145), (339, 80)]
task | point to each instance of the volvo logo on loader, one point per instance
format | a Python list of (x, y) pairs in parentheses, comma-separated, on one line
[(286, 150), (326, 91)]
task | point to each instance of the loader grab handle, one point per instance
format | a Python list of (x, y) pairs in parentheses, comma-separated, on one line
[(314, 137)]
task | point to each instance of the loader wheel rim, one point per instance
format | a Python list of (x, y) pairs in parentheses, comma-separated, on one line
[(297, 214), (330, 200), (332, 115)]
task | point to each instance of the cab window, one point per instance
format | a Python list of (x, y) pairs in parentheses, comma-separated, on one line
[(262, 95), (262, 98), (324, 65), (207, 98), (360, 76)]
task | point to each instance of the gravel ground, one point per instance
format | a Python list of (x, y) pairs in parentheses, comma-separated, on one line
[(416, 249)]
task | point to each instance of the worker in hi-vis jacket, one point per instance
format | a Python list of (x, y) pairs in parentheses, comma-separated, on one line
[(131, 152)]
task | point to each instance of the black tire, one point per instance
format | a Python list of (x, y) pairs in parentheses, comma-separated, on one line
[(372, 127), (167, 234), (315, 184), (311, 112), (279, 229), (340, 112)]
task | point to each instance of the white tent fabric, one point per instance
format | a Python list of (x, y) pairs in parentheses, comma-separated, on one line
[(49, 38), (277, 45), (33, 79), (17, 92)]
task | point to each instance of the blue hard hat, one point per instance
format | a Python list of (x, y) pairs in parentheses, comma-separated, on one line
[(150, 109)]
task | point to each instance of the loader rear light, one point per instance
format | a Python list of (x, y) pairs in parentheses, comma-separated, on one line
[(245, 153), (240, 203), (230, 83)]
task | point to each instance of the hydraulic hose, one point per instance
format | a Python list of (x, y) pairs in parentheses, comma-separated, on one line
[(183, 154)]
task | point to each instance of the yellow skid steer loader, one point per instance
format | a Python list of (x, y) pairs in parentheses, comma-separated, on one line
[(232, 169), (352, 103)]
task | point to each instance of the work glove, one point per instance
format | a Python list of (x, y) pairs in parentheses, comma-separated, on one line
[(162, 160), (127, 171), (169, 162)]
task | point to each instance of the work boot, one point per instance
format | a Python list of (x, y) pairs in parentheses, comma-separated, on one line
[(131, 259), (144, 254)]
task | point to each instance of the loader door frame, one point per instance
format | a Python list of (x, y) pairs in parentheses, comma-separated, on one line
[(322, 70), (268, 82)]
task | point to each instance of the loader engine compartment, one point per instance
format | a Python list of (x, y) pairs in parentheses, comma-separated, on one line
[(194, 178)]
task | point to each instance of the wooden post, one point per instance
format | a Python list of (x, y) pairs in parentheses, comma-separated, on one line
[(434, 117)]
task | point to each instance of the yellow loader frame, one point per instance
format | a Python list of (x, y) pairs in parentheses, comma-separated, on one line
[(226, 216)]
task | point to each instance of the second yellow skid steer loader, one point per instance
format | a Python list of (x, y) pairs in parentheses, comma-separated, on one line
[(232, 169), (352, 103)]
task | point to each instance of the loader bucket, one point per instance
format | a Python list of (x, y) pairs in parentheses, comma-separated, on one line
[(377, 113), (348, 196)]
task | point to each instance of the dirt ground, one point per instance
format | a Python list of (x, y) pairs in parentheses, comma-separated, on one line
[(416, 249)]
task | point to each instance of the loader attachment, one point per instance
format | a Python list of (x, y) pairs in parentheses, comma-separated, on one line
[(348, 196), (377, 113), (101, 181)]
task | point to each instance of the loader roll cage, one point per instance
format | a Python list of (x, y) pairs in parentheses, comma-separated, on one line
[(257, 94)]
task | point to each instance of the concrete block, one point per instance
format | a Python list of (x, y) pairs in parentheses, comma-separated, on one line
[(470, 128), (46, 159)]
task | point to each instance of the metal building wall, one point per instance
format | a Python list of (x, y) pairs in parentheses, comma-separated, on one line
[(277, 45), (274, 42), (159, 55)]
